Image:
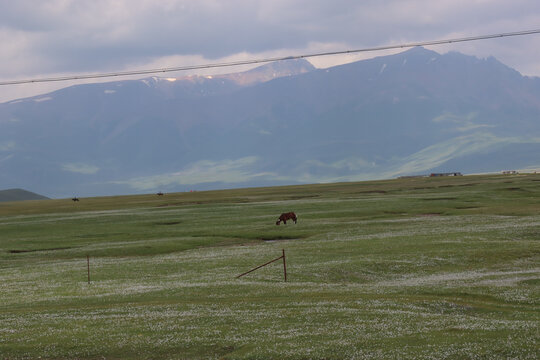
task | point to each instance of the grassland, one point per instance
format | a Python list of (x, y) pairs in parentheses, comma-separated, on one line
[(423, 268)]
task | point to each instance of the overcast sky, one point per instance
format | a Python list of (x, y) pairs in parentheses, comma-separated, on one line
[(47, 38)]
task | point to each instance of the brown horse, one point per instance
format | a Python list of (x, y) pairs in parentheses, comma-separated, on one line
[(287, 216)]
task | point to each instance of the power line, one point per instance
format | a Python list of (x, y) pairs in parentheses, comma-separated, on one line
[(266, 60)]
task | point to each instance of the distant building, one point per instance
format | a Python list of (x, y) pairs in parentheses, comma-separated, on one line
[(446, 174)]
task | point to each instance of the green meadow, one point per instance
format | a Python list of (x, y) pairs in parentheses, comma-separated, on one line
[(416, 268)]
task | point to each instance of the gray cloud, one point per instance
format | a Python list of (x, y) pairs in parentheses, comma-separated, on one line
[(50, 37)]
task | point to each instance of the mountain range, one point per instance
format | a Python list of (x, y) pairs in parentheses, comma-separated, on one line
[(285, 122)]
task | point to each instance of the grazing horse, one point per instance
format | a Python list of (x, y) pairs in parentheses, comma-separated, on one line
[(287, 216), (160, 193), (75, 199)]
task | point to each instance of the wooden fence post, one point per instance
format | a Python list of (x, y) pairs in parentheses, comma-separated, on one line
[(284, 265)]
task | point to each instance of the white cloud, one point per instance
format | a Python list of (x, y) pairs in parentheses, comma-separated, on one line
[(80, 168)]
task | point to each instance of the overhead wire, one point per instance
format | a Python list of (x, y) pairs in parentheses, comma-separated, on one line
[(266, 60)]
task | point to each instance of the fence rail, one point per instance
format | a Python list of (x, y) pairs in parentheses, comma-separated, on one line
[(268, 263)]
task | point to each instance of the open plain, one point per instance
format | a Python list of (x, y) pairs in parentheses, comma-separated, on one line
[(423, 268)]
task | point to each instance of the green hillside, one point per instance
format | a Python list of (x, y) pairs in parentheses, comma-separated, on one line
[(423, 268), (19, 195)]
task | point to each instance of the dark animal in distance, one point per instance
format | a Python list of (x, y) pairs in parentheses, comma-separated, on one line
[(287, 216), (160, 193), (75, 199)]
